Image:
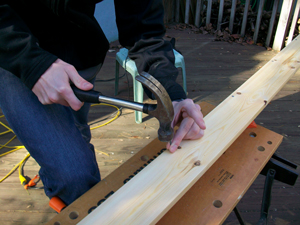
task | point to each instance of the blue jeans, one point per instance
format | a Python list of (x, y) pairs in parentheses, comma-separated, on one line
[(57, 137)]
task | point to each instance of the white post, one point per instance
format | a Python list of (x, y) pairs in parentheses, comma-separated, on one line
[(271, 24), (221, 8), (232, 15), (258, 19), (295, 17), (208, 12), (282, 24), (198, 11), (244, 23), (187, 11)]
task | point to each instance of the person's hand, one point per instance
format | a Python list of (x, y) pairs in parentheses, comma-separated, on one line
[(192, 124), (54, 85)]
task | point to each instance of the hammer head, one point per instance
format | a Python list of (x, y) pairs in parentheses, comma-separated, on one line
[(163, 111)]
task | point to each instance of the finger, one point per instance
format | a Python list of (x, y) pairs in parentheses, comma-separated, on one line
[(73, 101), (41, 94), (184, 128), (58, 97), (77, 80), (195, 132), (198, 107), (168, 145), (80, 83), (62, 102), (65, 93), (45, 100), (66, 96), (192, 111)]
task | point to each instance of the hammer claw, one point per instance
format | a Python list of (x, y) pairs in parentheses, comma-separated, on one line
[(151, 83)]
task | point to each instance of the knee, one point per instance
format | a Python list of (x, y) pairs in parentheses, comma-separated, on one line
[(71, 185)]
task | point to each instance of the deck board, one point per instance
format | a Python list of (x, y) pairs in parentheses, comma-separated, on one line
[(214, 70)]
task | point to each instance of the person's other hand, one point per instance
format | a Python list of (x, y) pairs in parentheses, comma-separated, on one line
[(192, 124), (54, 85)]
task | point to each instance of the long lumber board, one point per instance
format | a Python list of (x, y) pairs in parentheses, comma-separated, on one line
[(213, 197), (99, 193), (224, 182), (153, 191)]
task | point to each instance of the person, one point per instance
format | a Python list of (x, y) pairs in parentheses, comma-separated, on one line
[(47, 44)]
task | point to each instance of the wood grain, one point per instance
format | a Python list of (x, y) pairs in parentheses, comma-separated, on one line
[(153, 191), (213, 197)]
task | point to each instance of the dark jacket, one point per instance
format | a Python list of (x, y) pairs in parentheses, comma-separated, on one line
[(33, 34)]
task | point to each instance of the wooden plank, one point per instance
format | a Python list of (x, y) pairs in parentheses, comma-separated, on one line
[(258, 19), (116, 179), (232, 15), (295, 18), (218, 191), (154, 190), (244, 23), (271, 24), (282, 24), (220, 17), (244, 149)]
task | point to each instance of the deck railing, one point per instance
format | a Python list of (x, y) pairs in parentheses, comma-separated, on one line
[(281, 27)]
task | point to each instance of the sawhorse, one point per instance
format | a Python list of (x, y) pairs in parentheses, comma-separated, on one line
[(279, 169), (213, 196)]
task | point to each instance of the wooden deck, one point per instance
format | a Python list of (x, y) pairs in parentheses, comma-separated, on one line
[(214, 70)]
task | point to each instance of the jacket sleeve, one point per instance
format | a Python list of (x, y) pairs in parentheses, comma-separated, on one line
[(141, 30), (20, 53)]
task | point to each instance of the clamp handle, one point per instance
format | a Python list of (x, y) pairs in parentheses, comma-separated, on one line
[(57, 204)]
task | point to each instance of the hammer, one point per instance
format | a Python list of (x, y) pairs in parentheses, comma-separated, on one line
[(163, 110)]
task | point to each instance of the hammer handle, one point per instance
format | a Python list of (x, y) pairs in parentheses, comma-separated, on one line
[(93, 96), (90, 96)]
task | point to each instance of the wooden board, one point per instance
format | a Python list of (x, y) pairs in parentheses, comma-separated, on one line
[(213, 197), (153, 191), (197, 203), (115, 180)]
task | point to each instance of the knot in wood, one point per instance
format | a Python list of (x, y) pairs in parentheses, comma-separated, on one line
[(197, 163)]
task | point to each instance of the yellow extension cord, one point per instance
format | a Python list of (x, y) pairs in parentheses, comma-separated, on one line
[(117, 115), (15, 148)]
